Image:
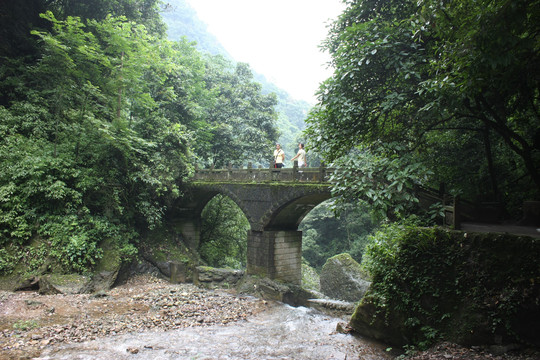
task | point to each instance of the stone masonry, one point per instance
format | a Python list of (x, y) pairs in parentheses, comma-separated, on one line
[(274, 202), (276, 255)]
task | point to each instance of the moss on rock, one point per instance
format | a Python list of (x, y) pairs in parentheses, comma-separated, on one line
[(472, 289), (62, 284), (343, 278), (163, 247)]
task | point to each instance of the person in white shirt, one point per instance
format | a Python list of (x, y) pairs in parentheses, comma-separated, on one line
[(301, 156)]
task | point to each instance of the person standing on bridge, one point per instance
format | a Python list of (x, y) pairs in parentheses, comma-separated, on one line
[(279, 157), (301, 156)]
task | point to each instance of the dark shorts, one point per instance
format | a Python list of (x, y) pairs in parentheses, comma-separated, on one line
[(278, 165)]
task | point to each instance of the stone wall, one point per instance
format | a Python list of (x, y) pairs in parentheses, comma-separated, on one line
[(463, 287)]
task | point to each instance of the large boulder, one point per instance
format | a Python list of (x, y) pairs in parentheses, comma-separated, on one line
[(272, 290), (107, 269), (342, 278), (62, 284), (50, 284), (164, 250), (210, 277), (366, 321), (101, 281)]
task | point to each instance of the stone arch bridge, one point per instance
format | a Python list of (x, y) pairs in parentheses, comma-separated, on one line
[(274, 202)]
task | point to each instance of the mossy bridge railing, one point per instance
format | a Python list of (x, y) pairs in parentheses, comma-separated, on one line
[(250, 174)]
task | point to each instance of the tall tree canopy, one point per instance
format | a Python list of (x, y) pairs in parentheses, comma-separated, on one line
[(456, 83), (100, 120), (241, 123), (88, 153)]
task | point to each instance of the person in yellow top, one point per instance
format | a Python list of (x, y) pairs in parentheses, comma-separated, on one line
[(279, 157)]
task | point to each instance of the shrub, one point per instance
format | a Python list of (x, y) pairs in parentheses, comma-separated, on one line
[(467, 288)]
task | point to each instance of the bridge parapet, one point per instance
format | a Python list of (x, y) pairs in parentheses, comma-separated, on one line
[(261, 175)]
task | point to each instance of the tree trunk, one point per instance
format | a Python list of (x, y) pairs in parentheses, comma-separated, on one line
[(489, 157), (514, 141), (120, 88)]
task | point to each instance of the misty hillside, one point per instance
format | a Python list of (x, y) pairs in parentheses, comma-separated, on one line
[(182, 20)]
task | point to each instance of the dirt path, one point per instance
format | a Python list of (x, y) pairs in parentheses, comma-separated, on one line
[(531, 231)]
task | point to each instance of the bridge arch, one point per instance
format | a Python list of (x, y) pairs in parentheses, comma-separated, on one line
[(289, 215)]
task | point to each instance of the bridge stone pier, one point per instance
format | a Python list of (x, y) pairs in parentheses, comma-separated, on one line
[(276, 255), (273, 200)]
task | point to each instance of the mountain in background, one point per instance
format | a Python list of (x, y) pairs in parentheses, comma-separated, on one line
[(182, 20)]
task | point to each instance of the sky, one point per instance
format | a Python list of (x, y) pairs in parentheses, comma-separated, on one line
[(278, 38)]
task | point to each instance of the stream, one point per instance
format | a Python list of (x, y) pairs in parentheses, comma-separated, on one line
[(279, 332)]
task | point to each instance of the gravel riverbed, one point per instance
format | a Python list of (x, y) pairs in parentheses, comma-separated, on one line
[(31, 323)]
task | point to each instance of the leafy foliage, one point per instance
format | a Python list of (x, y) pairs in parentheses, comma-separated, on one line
[(384, 180), (224, 234), (98, 133), (432, 284), (76, 160), (437, 78)]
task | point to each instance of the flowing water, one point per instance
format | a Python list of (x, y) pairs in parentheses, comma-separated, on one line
[(280, 332)]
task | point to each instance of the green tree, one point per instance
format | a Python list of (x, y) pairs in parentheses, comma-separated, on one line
[(436, 76), (240, 123), (224, 234), (117, 74), (18, 49), (90, 151)]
